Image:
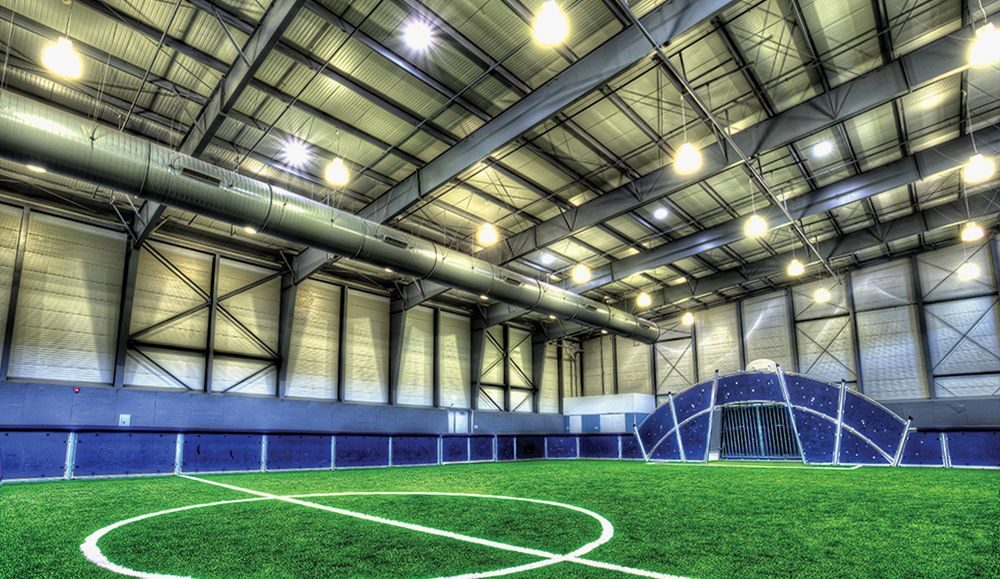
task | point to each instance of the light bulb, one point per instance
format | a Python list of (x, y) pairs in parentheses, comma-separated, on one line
[(661, 213), (551, 26), (250, 230), (418, 35), (979, 169), (581, 273), (985, 49), (972, 232), (687, 160), (337, 173), (687, 319), (795, 268), (547, 259), (487, 235), (604, 332), (821, 296), (755, 226), (822, 148), (61, 58), (36, 168), (643, 300), (968, 271), (295, 153), (484, 297)]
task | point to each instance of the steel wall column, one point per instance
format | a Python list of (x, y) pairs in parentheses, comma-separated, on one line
[(614, 364), (286, 319), (213, 309), (436, 361), (853, 318), (537, 369), (694, 354), (15, 288), (132, 254), (925, 347), (560, 376), (397, 329), (793, 335), (477, 340), (741, 344), (506, 368), (654, 372), (342, 346)]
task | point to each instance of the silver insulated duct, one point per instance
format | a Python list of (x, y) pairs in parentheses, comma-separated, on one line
[(33, 132)]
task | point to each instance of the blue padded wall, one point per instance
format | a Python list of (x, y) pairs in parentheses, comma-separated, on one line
[(530, 447), (481, 448), (286, 451), (32, 454), (598, 446), (694, 436), (505, 448), (656, 425), (923, 448), (630, 448), (351, 450), (455, 449), (692, 401), (813, 394), (590, 423), (817, 435), (747, 387), (667, 450), (853, 450), (119, 453), (560, 447), (407, 450), (974, 448), (878, 424), (221, 452)]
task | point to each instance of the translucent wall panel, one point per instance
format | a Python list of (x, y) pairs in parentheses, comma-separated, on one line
[(963, 336), (165, 369), (674, 366), (965, 386), (367, 348), (67, 310), (597, 366), (490, 399), (520, 401), (633, 366), (312, 363), (938, 277), (455, 360), (826, 350), (571, 371), (10, 230), (883, 285), (247, 323), (416, 377), (520, 357), (241, 376), (806, 307), (766, 325), (493, 356), (170, 281), (891, 363), (549, 397), (717, 340)]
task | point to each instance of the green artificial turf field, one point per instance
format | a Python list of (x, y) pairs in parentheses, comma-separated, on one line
[(685, 520)]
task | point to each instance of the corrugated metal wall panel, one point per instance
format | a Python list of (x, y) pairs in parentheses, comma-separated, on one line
[(490, 399), (717, 341), (765, 322), (312, 371), (593, 367), (416, 377), (961, 386), (367, 356), (455, 360), (520, 401), (239, 376), (891, 367), (674, 366), (10, 229), (493, 356), (825, 349), (186, 370), (571, 371), (67, 309), (520, 357), (806, 307), (963, 335), (256, 309), (633, 366), (161, 293), (549, 397), (938, 279), (884, 285)]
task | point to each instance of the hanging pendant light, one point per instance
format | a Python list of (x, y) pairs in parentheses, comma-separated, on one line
[(337, 173), (551, 27), (796, 268), (61, 58), (643, 300), (972, 231), (755, 226), (985, 48)]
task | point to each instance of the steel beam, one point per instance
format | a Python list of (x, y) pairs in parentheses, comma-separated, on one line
[(925, 346), (15, 288), (852, 314), (286, 318), (397, 330), (477, 338), (342, 346), (210, 333), (436, 360), (132, 254), (538, 344)]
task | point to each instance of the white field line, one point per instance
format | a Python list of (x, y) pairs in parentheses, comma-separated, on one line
[(607, 531), (789, 467)]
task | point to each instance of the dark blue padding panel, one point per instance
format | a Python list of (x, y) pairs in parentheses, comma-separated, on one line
[(351, 450), (114, 453), (853, 450), (692, 401), (530, 447), (813, 394), (817, 435), (505, 448), (923, 448), (598, 446), (285, 451), (747, 387), (560, 446), (407, 450), (32, 454), (667, 450), (656, 425), (481, 448), (455, 449), (694, 436), (879, 425), (974, 448), (590, 422), (221, 452), (630, 448)]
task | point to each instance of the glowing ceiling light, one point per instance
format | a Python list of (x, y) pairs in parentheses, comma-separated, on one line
[(387, 269), (687, 159), (687, 319), (487, 234), (547, 259), (661, 213), (968, 271), (755, 226), (295, 153), (418, 35), (795, 268), (979, 169), (581, 273), (337, 173), (643, 300), (821, 296), (250, 230), (985, 49), (36, 168), (604, 332), (484, 297), (61, 58), (552, 317), (972, 232), (551, 26), (823, 148)]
